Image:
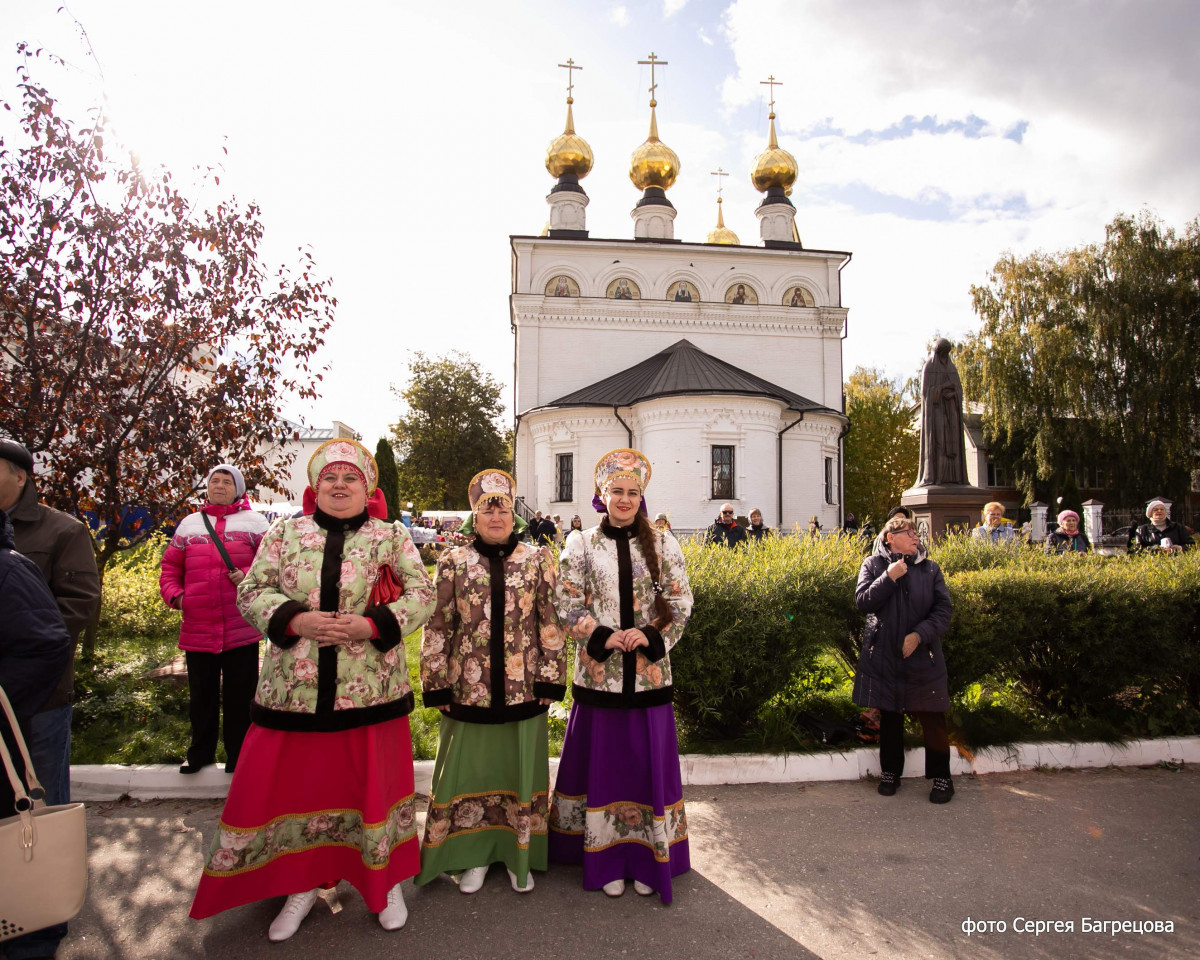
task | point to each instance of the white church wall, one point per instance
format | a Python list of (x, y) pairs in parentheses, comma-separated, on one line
[(805, 448)]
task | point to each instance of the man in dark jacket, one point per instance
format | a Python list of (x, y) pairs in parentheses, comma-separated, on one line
[(61, 548), (34, 651), (726, 530)]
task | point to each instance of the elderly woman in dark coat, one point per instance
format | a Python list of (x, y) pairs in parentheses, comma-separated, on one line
[(901, 668)]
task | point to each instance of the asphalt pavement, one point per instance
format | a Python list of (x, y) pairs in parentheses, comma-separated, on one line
[(829, 870)]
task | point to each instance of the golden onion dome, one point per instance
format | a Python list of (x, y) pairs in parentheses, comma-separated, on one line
[(569, 153), (774, 167), (721, 233), (653, 164)]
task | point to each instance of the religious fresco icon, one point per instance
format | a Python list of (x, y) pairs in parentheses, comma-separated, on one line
[(798, 297), (739, 293), (623, 289), (562, 286), (683, 292)]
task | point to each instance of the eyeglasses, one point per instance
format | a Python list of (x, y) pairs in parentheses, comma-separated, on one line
[(727, 512)]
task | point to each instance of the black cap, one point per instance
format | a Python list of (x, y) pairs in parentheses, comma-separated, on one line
[(15, 453)]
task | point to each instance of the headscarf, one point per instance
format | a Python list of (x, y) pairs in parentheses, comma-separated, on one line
[(344, 452)]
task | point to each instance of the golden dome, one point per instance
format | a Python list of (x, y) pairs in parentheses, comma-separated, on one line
[(774, 167), (653, 164), (569, 153), (721, 233)]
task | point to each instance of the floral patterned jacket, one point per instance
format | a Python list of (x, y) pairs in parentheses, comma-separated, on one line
[(320, 562), (465, 640), (604, 585)]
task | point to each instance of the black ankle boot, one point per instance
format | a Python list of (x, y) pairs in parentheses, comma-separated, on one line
[(943, 790), (889, 783)]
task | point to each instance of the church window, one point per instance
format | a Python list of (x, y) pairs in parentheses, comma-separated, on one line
[(722, 473), (830, 488), (564, 478), (997, 475)]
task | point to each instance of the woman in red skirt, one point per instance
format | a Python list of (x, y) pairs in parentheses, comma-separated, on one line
[(324, 787)]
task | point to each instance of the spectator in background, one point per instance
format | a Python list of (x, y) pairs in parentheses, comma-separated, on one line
[(899, 512), (205, 561), (35, 649), (756, 530), (900, 666), (61, 548), (1068, 538), (726, 531), (993, 526), (814, 527), (576, 524), (850, 524), (1161, 533)]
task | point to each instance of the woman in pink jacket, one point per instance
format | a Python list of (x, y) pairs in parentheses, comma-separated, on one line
[(207, 558)]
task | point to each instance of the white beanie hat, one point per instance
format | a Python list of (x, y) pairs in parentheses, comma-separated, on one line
[(239, 482)]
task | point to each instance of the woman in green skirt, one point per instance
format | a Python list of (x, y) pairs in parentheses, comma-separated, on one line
[(492, 660)]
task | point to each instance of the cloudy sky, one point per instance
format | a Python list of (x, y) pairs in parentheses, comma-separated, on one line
[(404, 142)]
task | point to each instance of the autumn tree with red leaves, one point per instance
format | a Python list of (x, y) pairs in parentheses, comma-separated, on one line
[(142, 339)]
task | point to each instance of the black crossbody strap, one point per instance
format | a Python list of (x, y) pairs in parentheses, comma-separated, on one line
[(217, 541)]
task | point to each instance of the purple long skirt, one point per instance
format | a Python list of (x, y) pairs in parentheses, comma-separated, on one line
[(618, 799)]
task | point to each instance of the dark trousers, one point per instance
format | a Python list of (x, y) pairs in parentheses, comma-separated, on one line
[(891, 743), (240, 667)]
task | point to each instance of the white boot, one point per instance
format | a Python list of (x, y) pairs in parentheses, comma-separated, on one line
[(641, 889), (292, 915), (472, 880), (394, 915), (614, 888), (512, 878)]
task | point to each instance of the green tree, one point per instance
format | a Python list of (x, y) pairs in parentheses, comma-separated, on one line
[(449, 431), (1089, 356), (881, 447), (389, 479)]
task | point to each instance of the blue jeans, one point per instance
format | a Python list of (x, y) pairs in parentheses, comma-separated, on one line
[(50, 750)]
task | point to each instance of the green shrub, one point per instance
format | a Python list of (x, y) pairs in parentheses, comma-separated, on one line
[(763, 614)]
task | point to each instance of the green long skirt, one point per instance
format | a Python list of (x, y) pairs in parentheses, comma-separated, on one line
[(490, 796)]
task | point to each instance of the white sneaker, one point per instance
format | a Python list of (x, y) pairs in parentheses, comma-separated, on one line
[(395, 914), (292, 915), (614, 888), (512, 878), (641, 889), (472, 880)]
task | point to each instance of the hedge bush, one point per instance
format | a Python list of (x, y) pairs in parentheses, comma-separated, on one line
[(763, 614), (1085, 638)]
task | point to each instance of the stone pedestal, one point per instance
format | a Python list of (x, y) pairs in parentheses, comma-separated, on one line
[(939, 509), (1037, 521)]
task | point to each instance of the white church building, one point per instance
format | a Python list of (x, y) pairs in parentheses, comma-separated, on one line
[(722, 362)]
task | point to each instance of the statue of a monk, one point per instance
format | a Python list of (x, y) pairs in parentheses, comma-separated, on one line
[(943, 453)]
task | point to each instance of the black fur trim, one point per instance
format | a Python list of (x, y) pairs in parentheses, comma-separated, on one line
[(331, 721), (388, 626), (277, 625), (658, 647), (602, 698), (549, 691), (595, 645)]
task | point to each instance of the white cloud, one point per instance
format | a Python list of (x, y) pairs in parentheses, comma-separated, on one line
[(672, 7), (704, 37), (620, 16)]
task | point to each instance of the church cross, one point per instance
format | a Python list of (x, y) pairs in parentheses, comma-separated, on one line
[(570, 66), (652, 63), (718, 173), (772, 83)]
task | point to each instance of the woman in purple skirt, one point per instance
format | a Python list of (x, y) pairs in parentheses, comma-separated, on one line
[(623, 594)]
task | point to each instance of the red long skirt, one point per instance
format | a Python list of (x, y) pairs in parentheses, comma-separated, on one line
[(307, 809)]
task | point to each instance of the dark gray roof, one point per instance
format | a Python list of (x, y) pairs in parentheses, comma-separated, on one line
[(681, 369)]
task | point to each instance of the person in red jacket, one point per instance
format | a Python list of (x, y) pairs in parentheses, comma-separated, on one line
[(205, 561)]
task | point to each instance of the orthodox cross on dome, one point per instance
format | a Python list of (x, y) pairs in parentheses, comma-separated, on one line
[(772, 83), (652, 63), (570, 66), (718, 173)]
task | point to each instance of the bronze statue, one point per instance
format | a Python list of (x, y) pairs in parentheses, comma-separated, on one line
[(943, 453)]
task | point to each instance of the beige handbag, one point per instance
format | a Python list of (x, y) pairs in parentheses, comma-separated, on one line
[(43, 851)]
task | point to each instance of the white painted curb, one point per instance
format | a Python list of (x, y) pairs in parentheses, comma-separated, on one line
[(163, 781)]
